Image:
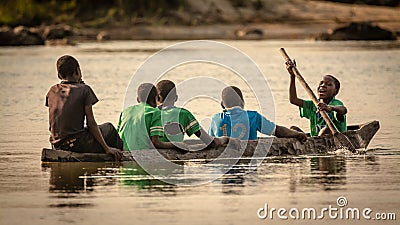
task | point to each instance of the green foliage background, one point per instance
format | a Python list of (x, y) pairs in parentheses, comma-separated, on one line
[(99, 13), (85, 12)]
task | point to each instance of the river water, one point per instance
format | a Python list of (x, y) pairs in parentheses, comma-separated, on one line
[(107, 193)]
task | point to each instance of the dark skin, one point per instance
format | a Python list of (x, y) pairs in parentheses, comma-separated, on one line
[(326, 92), (91, 122), (283, 132), (202, 134), (280, 131)]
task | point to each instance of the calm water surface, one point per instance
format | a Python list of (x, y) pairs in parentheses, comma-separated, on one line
[(100, 193)]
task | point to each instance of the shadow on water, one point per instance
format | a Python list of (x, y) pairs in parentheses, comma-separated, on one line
[(329, 172), (76, 177), (71, 179), (67, 179), (297, 174), (325, 173), (132, 175)]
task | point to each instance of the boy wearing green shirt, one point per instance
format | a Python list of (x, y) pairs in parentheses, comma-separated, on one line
[(327, 89), (317, 123), (178, 121), (139, 126)]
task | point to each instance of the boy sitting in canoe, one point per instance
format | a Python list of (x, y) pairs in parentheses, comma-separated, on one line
[(178, 121), (327, 89), (70, 102), (140, 125), (236, 122)]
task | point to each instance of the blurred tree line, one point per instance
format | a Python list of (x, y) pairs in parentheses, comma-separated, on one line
[(104, 12), (82, 12)]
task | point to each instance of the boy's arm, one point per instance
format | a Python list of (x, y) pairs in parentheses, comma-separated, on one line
[(341, 110), (159, 144), (95, 131), (293, 92), (203, 135), (289, 133), (206, 138), (169, 145), (292, 88)]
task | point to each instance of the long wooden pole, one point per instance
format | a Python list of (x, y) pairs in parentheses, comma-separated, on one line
[(340, 139)]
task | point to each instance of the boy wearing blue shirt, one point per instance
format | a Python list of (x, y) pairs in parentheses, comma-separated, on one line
[(236, 122)]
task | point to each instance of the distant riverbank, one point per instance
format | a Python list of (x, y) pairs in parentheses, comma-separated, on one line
[(298, 19), (207, 19)]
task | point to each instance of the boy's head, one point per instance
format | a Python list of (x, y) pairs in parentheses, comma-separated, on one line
[(147, 93), (232, 96), (328, 87), (166, 92), (67, 67)]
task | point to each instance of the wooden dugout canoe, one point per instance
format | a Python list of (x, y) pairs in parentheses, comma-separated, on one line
[(359, 135)]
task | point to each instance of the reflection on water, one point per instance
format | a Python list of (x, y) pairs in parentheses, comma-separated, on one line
[(133, 175), (330, 172), (327, 171), (76, 177)]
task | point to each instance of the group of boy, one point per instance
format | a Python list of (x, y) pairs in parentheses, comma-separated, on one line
[(155, 122)]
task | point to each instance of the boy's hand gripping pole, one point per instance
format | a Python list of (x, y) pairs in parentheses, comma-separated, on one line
[(340, 139)]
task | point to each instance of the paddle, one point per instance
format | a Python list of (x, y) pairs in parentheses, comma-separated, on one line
[(340, 139)]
